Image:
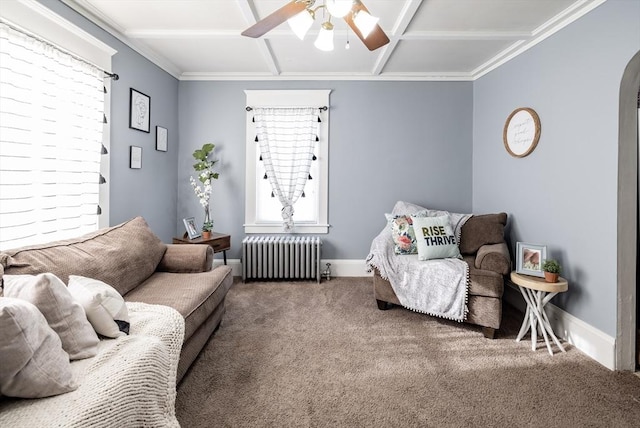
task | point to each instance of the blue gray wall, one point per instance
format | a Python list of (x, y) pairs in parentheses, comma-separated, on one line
[(564, 194), (150, 192), (388, 141)]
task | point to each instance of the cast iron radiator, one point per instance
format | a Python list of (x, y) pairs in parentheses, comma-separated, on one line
[(281, 257)]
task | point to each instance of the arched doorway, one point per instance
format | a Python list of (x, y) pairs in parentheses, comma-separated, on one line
[(627, 216)]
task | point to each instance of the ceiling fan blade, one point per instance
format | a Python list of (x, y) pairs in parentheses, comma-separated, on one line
[(376, 39), (276, 18)]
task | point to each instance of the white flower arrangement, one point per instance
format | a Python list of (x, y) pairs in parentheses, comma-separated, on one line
[(204, 168)]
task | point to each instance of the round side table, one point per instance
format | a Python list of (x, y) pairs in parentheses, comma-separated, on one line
[(537, 293)]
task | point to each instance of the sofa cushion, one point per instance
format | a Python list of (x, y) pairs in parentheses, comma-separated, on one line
[(122, 256), (104, 306), (64, 315), (480, 230), (435, 238), (33, 362), (194, 295)]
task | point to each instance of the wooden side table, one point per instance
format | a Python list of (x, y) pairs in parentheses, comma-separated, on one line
[(220, 242), (537, 293)]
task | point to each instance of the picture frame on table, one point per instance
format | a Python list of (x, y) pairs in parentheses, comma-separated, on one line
[(161, 139), (529, 258), (190, 225), (135, 157), (139, 111)]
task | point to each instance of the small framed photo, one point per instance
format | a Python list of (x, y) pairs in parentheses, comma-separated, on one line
[(139, 111), (135, 157), (190, 225), (161, 139), (529, 259)]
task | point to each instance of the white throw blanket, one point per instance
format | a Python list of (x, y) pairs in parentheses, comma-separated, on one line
[(130, 383), (434, 287)]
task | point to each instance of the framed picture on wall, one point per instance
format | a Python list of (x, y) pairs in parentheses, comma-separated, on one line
[(139, 110), (161, 138), (529, 258), (135, 157)]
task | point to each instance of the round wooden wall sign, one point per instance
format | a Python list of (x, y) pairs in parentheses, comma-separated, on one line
[(521, 132)]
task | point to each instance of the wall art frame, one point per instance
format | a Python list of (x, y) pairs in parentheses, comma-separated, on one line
[(135, 157), (521, 132), (529, 258), (162, 135), (139, 111)]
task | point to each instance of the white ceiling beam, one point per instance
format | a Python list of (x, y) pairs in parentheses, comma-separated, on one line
[(467, 35), (406, 15), (248, 11)]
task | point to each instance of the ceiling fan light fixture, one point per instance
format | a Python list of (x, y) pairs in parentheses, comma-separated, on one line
[(365, 22), (301, 23), (324, 42), (339, 8)]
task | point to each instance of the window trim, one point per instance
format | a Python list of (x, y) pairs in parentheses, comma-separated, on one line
[(287, 98)]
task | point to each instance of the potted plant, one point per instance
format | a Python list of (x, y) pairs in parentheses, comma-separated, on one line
[(551, 270), (207, 227), (204, 170)]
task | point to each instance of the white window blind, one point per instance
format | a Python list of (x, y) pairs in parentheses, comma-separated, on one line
[(51, 125)]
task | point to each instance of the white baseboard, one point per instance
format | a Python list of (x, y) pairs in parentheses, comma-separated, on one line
[(588, 339)]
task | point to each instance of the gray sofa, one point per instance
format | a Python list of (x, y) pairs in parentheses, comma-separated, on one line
[(133, 260), (483, 247)]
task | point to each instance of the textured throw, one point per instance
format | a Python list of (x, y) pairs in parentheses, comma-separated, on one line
[(434, 287), (131, 382)]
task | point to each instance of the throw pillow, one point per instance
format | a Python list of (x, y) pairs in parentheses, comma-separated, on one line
[(65, 316), (104, 306), (34, 364), (435, 238), (402, 234)]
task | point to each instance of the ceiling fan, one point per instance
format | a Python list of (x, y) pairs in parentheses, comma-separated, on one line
[(300, 14)]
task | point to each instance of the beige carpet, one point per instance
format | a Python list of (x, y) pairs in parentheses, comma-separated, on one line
[(307, 355)]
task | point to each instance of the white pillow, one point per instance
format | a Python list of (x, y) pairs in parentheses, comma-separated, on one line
[(65, 316), (104, 306), (33, 362), (435, 238)]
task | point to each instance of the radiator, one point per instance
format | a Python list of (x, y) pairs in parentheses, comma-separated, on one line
[(281, 257)]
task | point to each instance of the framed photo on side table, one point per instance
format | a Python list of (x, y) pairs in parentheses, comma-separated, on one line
[(190, 225), (139, 110), (529, 259)]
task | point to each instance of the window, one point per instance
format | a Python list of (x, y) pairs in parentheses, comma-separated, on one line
[(53, 145), (262, 210)]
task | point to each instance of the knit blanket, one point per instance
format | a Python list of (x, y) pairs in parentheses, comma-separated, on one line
[(130, 383), (435, 287)]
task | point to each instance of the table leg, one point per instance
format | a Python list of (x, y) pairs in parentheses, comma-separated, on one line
[(547, 324), (539, 314), (224, 255)]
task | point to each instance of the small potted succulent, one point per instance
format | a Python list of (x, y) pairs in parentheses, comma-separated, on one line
[(551, 270)]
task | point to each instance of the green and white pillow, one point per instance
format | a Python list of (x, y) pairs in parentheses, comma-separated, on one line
[(435, 238)]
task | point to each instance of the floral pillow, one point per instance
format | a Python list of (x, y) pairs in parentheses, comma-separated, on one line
[(402, 233)]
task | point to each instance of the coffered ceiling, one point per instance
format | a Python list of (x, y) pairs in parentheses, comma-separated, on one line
[(430, 39)]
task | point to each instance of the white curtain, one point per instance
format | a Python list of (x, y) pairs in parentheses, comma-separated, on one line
[(51, 125), (287, 137)]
